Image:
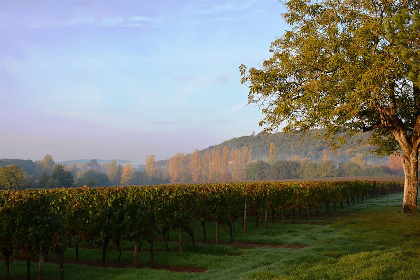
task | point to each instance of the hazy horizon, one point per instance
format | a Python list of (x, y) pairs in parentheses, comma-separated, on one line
[(126, 79)]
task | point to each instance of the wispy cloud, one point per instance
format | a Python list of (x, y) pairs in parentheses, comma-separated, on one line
[(222, 79), (163, 123), (229, 6), (184, 79), (218, 121), (193, 86), (115, 21)]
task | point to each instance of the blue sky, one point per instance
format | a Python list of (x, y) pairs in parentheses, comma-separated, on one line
[(126, 79)]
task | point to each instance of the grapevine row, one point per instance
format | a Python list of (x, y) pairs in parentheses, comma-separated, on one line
[(35, 222)]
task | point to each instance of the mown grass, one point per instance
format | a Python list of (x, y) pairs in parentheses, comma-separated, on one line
[(368, 240)]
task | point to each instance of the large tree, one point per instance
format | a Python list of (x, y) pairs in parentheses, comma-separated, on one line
[(347, 66)]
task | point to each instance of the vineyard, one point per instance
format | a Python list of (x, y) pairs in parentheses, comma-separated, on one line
[(34, 223)]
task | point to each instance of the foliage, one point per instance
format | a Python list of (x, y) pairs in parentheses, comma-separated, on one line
[(11, 177), (93, 178), (258, 170), (341, 67)]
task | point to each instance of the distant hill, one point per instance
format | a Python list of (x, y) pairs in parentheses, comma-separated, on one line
[(301, 147)]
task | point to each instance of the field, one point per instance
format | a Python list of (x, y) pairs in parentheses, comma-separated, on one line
[(367, 240)]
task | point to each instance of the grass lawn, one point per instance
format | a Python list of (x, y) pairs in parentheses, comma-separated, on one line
[(368, 240)]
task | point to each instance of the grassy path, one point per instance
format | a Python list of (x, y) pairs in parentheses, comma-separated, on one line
[(369, 240)]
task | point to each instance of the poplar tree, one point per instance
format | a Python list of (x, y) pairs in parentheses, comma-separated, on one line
[(347, 66), (127, 174), (113, 171), (272, 153), (195, 166), (150, 167)]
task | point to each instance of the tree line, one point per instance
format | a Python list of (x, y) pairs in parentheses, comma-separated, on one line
[(209, 165), (290, 169)]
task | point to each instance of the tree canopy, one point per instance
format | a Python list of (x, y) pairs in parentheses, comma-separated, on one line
[(347, 66), (11, 177)]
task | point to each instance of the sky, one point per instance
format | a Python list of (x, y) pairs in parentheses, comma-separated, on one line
[(126, 79)]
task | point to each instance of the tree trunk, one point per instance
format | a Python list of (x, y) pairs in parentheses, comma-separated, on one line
[(60, 254), (7, 253), (104, 249), (119, 250), (203, 224), (410, 165), (230, 225), (77, 251), (190, 232), (28, 269), (256, 221)]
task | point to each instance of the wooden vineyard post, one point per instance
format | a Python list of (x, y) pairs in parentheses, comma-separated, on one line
[(266, 214), (181, 240), (41, 263), (136, 253), (152, 260), (217, 231), (245, 218)]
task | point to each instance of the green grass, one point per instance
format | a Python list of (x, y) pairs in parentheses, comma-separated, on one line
[(369, 240)]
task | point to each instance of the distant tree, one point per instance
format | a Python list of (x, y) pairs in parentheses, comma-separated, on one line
[(93, 164), (237, 164), (244, 157), (347, 66), (61, 178), (43, 181), (258, 170), (394, 162), (113, 171), (150, 167), (328, 169), (349, 169), (29, 181), (127, 174), (179, 170), (272, 154), (309, 169), (11, 177), (358, 159), (94, 178), (216, 165), (138, 178), (284, 169), (224, 166), (195, 166), (249, 156), (73, 169), (48, 163)]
